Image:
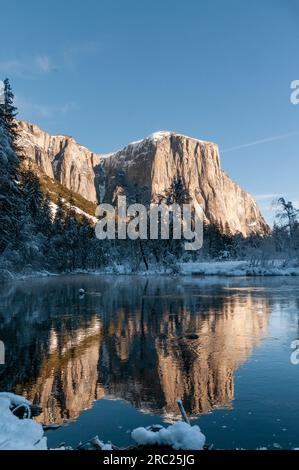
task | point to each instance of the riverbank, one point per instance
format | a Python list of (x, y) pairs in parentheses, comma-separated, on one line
[(206, 268)]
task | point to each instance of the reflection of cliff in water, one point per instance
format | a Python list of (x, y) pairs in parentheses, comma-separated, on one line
[(146, 341)]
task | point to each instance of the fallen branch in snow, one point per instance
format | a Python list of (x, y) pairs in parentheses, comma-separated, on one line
[(21, 407), (179, 435)]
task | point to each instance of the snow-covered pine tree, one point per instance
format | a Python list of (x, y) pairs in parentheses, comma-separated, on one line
[(71, 237), (11, 203), (33, 197), (8, 115), (47, 216), (60, 215), (178, 194)]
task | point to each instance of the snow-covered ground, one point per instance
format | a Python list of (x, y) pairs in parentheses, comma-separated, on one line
[(179, 435), (240, 268), (213, 268), (15, 433), (207, 268)]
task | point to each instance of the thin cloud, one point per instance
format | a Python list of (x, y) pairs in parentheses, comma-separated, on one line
[(74, 53), (29, 68), (44, 64), (261, 141), (266, 197), (37, 110)]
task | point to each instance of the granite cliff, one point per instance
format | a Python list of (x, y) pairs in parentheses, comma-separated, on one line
[(151, 165)]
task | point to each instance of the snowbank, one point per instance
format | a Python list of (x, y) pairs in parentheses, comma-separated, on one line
[(179, 436), (239, 268), (15, 433), (207, 268)]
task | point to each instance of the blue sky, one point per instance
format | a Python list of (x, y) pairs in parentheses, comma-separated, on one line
[(112, 71)]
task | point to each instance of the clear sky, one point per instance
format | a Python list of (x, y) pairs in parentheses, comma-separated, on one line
[(112, 71)]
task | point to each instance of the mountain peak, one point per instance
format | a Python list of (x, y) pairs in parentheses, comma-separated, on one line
[(150, 164), (163, 134)]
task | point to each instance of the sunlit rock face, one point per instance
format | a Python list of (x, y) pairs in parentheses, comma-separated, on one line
[(155, 343), (154, 163), (61, 158), (68, 380), (148, 167), (188, 357), (223, 343)]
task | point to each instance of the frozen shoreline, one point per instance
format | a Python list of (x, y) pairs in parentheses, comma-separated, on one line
[(240, 268), (206, 268), (23, 433)]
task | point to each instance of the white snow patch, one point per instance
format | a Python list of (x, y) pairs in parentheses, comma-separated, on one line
[(154, 137), (102, 444), (88, 216), (15, 400), (53, 208), (159, 135), (179, 436), (239, 268), (15, 433)]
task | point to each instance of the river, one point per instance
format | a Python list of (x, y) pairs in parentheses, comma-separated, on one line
[(120, 356)]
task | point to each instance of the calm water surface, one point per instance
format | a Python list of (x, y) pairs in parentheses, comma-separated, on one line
[(123, 354)]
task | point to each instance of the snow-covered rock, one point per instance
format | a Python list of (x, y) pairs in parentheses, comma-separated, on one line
[(15, 433), (179, 436)]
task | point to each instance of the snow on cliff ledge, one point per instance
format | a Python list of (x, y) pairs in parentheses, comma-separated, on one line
[(154, 137)]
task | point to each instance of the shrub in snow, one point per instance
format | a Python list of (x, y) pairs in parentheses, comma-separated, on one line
[(179, 436), (15, 433)]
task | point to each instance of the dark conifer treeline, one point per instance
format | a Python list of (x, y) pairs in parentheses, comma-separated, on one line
[(32, 236)]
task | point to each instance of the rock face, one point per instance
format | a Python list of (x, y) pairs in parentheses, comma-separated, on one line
[(61, 158), (151, 165), (71, 386)]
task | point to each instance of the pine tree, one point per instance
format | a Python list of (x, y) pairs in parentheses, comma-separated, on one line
[(71, 236), (60, 216), (47, 217), (177, 193), (11, 204), (8, 115), (213, 240), (33, 196), (171, 250)]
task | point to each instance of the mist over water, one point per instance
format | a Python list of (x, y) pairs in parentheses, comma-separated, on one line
[(123, 353)]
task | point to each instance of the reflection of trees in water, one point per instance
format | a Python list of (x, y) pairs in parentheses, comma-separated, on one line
[(149, 341)]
